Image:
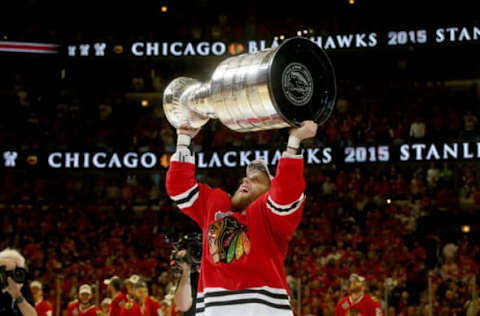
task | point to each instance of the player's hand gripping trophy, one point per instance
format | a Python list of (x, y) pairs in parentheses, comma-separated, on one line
[(271, 89)]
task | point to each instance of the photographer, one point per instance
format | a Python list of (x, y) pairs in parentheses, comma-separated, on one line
[(15, 298), (187, 257)]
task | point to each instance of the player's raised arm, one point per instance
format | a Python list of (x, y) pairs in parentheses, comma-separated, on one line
[(285, 200), (181, 184)]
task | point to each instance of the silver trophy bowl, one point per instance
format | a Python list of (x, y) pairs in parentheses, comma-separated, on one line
[(271, 89)]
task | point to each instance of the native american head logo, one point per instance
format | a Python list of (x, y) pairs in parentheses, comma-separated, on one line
[(228, 240)]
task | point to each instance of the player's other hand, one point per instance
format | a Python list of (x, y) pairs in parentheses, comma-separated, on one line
[(308, 129), (192, 132)]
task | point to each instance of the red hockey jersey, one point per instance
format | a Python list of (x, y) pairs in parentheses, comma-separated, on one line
[(151, 308), (365, 306), (73, 306), (75, 310), (117, 304), (242, 268), (44, 308)]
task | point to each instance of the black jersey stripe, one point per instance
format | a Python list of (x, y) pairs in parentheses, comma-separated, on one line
[(244, 301), (188, 197), (283, 210), (246, 291)]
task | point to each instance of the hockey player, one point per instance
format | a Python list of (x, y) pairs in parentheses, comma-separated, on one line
[(357, 302), (43, 307), (245, 236), (83, 307), (129, 284), (143, 304), (114, 290)]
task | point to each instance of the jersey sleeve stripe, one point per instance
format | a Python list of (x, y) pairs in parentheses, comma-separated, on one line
[(187, 198), (190, 202), (243, 301), (185, 195), (285, 209)]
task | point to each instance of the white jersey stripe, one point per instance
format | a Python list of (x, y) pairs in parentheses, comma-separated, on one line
[(190, 202), (266, 288), (184, 194), (218, 299), (284, 209)]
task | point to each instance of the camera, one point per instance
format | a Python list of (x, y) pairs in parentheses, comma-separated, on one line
[(19, 275), (192, 244)]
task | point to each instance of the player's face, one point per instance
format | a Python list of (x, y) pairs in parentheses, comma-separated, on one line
[(110, 290), (251, 187), (36, 291), (105, 308), (84, 298), (141, 294), (356, 286), (129, 287)]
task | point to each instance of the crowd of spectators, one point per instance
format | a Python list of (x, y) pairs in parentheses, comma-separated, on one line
[(378, 223)]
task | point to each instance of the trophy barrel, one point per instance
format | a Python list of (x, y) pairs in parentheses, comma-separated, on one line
[(274, 88)]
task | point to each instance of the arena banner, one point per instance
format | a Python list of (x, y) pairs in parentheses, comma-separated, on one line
[(416, 36), (443, 35), (240, 157), (28, 47)]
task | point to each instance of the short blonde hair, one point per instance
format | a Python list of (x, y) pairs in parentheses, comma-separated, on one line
[(11, 253)]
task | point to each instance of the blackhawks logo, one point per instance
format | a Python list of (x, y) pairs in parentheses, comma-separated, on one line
[(228, 240)]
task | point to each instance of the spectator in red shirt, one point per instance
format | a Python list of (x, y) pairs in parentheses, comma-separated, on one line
[(384, 188), (331, 131), (341, 183), (400, 187), (43, 307), (370, 185)]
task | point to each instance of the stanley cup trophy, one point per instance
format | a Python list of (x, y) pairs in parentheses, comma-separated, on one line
[(271, 89)]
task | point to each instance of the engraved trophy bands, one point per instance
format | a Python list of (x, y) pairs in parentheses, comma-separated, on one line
[(270, 89)]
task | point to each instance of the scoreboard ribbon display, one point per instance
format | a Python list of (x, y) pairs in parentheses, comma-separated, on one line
[(404, 153)]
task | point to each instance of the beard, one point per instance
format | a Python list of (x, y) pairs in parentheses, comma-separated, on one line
[(85, 301), (249, 191), (241, 201), (355, 289)]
